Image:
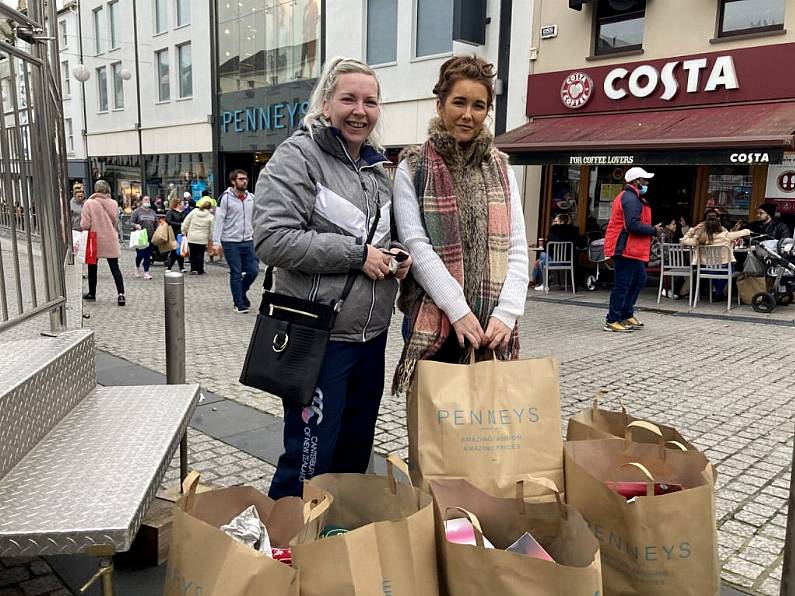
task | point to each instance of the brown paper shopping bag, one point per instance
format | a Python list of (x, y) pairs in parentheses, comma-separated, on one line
[(476, 571), (390, 548), (205, 561), (492, 422), (650, 545), (597, 423)]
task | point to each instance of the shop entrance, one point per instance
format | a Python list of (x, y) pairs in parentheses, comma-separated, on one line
[(672, 193), (252, 163)]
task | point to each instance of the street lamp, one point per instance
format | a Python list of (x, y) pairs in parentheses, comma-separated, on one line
[(81, 73)]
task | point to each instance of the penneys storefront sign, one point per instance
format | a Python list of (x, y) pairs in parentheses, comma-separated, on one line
[(739, 75)]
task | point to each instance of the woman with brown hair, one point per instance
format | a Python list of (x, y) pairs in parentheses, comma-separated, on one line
[(174, 217), (458, 211)]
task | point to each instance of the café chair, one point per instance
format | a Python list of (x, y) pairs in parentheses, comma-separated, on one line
[(715, 262), (676, 260), (560, 257)]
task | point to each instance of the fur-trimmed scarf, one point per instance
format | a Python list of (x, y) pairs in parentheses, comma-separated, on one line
[(464, 199)]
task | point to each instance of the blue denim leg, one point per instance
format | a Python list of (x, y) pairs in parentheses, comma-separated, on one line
[(250, 266), (622, 280), (636, 286), (232, 254)]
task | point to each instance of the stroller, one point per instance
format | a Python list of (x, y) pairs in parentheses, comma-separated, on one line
[(778, 258), (596, 254)]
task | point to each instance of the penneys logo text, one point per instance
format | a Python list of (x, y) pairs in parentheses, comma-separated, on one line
[(501, 417)]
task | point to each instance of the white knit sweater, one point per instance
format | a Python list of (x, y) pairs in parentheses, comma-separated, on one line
[(432, 274)]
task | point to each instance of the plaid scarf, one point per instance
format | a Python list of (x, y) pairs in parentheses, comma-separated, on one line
[(464, 198)]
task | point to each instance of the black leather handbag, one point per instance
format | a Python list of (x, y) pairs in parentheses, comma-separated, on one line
[(289, 342)]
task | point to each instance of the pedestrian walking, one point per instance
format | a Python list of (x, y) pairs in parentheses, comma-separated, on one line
[(459, 212), (76, 205), (198, 229), (628, 243), (233, 238), (174, 217), (316, 202), (100, 215), (144, 218)]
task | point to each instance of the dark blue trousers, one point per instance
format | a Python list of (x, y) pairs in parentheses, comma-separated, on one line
[(335, 433), (629, 278)]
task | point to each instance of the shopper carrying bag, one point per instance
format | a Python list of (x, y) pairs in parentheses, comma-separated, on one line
[(384, 542), (477, 570), (652, 510)]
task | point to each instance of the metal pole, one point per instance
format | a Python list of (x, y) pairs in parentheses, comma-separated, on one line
[(788, 572), (174, 292)]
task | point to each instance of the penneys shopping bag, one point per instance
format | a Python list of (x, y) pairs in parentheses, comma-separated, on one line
[(651, 545), (204, 561), (389, 548), (597, 423), (492, 422), (473, 570)]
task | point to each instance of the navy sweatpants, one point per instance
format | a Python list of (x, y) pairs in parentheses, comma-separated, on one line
[(335, 433)]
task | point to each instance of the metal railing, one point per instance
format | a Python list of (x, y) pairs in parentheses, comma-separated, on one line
[(34, 226)]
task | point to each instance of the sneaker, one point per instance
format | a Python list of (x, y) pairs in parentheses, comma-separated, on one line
[(246, 302), (666, 294), (241, 311), (632, 323), (147, 275), (181, 270), (121, 301), (541, 288), (138, 272), (616, 327), (194, 273), (91, 297)]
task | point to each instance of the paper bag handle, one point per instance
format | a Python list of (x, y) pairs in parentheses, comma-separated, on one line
[(676, 444), (521, 506), (645, 470), (645, 426), (189, 486), (393, 461), (315, 508), (599, 396), (471, 355), (473, 519)]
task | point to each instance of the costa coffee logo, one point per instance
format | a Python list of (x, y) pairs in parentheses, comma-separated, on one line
[(577, 90), (786, 181), (645, 80)]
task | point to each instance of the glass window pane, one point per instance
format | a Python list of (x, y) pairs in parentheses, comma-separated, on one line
[(69, 134), (98, 30), (64, 36), (565, 190), (740, 15), (163, 82), (185, 71), (729, 191), (118, 86), (161, 16), (66, 82), (381, 31), (307, 22), (114, 24), (622, 34), (102, 88), (434, 27), (183, 12)]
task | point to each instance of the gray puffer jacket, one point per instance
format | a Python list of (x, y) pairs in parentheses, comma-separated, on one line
[(313, 209)]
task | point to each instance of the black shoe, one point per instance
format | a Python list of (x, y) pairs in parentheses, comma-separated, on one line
[(194, 273), (91, 297), (121, 301)]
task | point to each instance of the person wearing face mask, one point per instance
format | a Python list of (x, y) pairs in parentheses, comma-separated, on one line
[(628, 242), (144, 217), (459, 212), (316, 201)]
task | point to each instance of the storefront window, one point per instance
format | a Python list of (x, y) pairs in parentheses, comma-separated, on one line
[(122, 172), (565, 189), (267, 43), (174, 174), (605, 185), (738, 17), (619, 25), (729, 191)]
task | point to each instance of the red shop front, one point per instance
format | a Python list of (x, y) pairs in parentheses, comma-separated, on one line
[(711, 126)]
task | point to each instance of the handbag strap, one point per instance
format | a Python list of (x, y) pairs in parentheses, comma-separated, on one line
[(267, 284)]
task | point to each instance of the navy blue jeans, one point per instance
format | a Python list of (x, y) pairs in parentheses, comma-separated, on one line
[(629, 278), (335, 433), (243, 269), (143, 256)]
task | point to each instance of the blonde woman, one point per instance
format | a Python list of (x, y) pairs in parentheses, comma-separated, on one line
[(315, 203)]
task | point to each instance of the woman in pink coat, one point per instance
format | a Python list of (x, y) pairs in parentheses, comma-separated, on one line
[(100, 215)]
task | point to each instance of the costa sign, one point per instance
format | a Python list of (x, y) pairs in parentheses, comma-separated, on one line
[(645, 80), (729, 76)]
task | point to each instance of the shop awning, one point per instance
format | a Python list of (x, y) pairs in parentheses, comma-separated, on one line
[(733, 127)]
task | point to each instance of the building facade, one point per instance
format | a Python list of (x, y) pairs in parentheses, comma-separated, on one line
[(269, 55), (706, 106), (69, 47), (148, 97)]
